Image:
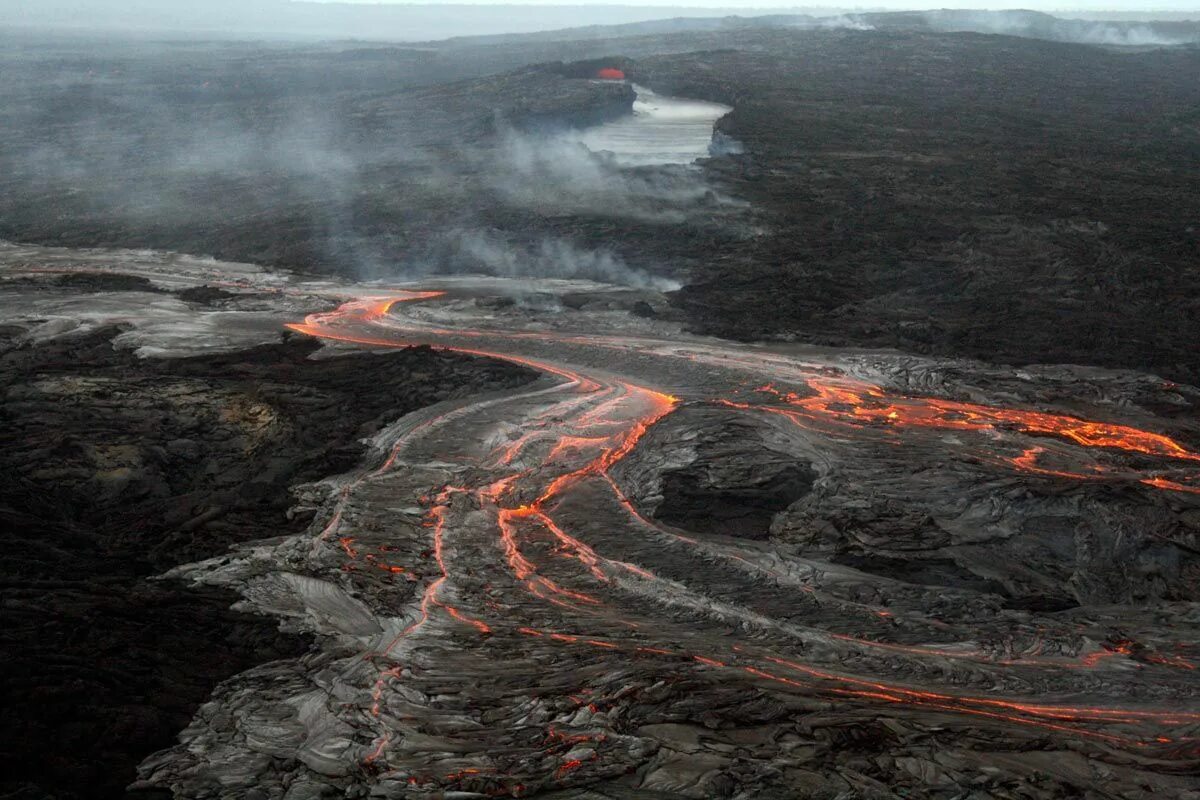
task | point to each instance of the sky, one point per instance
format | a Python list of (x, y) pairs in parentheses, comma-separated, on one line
[(1048, 6), (399, 20)]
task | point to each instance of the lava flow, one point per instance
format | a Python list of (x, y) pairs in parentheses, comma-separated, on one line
[(860, 403), (505, 614), (863, 402)]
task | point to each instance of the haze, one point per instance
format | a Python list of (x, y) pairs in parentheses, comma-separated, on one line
[(418, 22)]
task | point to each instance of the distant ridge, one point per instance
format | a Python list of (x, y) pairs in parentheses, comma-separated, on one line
[(307, 20), (483, 24)]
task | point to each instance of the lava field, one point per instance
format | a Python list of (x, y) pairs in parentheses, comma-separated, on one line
[(743, 410)]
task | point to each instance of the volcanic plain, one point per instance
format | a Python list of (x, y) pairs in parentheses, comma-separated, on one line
[(371, 431)]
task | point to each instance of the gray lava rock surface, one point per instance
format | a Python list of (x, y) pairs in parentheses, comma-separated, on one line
[(118, 468)]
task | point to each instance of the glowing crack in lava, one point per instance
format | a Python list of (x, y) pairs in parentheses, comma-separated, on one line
[(863, 402), (859, 403), (511, 521), (498, 613)]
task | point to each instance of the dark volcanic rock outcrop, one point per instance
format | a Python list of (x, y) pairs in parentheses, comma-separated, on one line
[(696, 499), (118, 468)]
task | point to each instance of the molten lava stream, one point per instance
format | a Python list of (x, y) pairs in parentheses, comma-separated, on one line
[(608, 430), (679, 587), (861, 402), (845, 402), (1072, 720), (607, 414), (633, 409), (1040, 716)]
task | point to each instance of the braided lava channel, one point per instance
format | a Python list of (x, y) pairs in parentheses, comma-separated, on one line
[(500, 613)]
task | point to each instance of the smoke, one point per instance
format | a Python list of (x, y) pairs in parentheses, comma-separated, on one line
[(307, 160), (148, 153), (1084, 32), (724, 145), (208, 148), (487, 252), (839, 22), (556, 175), (1033, 25)]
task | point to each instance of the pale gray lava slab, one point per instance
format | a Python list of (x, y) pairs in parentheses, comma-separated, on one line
[(661, 130)]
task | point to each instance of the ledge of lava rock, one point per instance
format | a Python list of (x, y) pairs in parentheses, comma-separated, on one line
[(118, 468)]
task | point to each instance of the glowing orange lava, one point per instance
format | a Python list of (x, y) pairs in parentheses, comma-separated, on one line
[(567, 447), (844, 401), (862, 402)]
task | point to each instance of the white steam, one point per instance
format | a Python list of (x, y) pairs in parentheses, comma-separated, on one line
[(1033, 25), (479, 251), (847, 22), (557, 175)]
